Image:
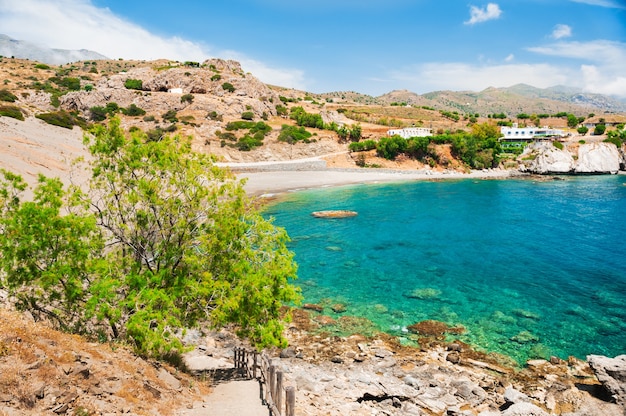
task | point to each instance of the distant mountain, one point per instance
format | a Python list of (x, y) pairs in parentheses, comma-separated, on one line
[(520, 98), (26, 50)]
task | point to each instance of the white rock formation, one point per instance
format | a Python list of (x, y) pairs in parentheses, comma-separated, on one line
[(597, 158), (545, 158)]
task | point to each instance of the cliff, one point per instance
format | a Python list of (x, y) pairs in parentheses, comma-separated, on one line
[(589, 158)]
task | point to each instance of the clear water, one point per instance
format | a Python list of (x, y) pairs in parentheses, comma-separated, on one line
[(530, 268)]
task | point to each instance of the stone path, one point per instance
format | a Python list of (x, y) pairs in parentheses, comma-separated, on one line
[(235, 398)]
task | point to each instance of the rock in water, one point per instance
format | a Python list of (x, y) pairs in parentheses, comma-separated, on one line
[(611, 372), (337, 213)]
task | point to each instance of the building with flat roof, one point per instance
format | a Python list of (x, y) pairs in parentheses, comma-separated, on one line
[(410, 132)]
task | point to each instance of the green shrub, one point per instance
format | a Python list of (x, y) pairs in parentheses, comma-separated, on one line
[(247, 115), (11, 111), (239, 125), (133, 111), (247, 143), (6, 95), (227, 86), (292, 134), (216, 77), (133, 84), (61, 119), (42, 66), (281, 110), (362, 146), (581, 142), (213, 115), (558, 145), (88, 87), (390, 147), (149, 118), (170, 116), (599, 130), (188, 98), (98, 113), (582, 130), (616, 141)]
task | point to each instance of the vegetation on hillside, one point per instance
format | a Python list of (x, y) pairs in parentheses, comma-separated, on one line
[(164, 241)]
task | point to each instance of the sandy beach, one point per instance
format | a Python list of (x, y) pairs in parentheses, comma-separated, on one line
[(273, 182)]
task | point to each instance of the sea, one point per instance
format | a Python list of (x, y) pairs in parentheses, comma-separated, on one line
[(529, 268)]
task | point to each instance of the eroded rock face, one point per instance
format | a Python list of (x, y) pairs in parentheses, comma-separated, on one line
[(597, 158), (611, 372), (591, 158)]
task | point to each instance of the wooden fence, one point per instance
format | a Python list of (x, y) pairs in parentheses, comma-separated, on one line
[(254, 365)]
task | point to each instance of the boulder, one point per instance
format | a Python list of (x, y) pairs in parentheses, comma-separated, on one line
[(597, 158), (544, 158), (524, 409), (611, 372)]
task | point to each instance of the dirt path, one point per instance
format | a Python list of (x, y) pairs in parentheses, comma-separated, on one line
[(236, 398)]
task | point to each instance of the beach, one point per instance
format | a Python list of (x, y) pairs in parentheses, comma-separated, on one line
[(266, 182)]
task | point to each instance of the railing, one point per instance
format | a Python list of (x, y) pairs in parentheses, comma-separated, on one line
[(258, 366)]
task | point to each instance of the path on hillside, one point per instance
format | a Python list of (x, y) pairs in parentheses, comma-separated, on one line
[(235, 398)]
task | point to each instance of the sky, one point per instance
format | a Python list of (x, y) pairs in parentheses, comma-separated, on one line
[(367, 46)]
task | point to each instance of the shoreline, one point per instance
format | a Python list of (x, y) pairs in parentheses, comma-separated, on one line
[(268, 183)]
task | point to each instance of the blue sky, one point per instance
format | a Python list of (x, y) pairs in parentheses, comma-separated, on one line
[(369, 46)]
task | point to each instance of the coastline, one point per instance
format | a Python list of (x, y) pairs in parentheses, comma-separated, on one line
[(267, 183)]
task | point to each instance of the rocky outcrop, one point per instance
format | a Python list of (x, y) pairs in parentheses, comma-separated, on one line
[(611, 372), (162, 90), (590, 158)]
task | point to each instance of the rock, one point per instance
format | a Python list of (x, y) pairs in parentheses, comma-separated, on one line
[(544, 158), (611, 372), (288, 353), (455, 347), (513, 396), (170, 380), (524, 409), (454, 357), (597, 158), (337, 359), (313, 307)]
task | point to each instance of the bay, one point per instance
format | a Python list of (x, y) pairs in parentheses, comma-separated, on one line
[(530, 268)]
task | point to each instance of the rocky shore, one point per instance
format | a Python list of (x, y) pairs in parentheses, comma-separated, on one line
[(359, 375)]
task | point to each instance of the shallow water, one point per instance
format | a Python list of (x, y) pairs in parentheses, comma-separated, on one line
[(530, 268)]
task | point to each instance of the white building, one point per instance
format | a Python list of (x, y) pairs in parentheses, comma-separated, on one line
[(410, 132), (530, 133)]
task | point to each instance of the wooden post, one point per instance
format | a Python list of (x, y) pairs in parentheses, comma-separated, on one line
[(290, 404), (254, 364), (278, 397), (272, 386)]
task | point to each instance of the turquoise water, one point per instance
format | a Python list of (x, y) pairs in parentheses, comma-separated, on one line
[(530, 268)]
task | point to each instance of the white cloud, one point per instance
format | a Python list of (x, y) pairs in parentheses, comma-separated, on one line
[(509, 58), (603, 67), (477, 15), (78, 24), (603, 3), (463, 76), (561, 31)]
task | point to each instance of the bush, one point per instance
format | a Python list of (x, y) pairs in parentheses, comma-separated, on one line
[(149, 118), (170, 116), (61, 119), (247, 115), (390, 147), (216, 77), (11, 111), (42, 66), (88, 87), (293, 134), (247, 142), (6, 95), (213, 115), (582, 130), (133, 111), (281, 110), (133, 84), (615, 140), (227, 86), (362, 146), (599, 130), (188, 98), (98, 113), (558, 145)]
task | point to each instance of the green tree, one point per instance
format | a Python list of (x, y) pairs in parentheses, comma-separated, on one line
[(185, 245), (48, 248), (227, 86), (355, 132), (133, 84), (582, 130), (390, 147), (186, 98), (572, 121), (599, 129)]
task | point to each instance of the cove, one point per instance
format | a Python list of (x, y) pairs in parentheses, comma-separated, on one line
[(530, 268)]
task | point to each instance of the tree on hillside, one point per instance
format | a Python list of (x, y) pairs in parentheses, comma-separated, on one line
[(182, 245)]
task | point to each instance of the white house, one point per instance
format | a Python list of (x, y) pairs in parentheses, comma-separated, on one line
[(410, 132), (530, 133), (175, 90)]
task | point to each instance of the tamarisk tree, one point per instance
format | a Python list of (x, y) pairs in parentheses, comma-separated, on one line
[(170, 241)]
